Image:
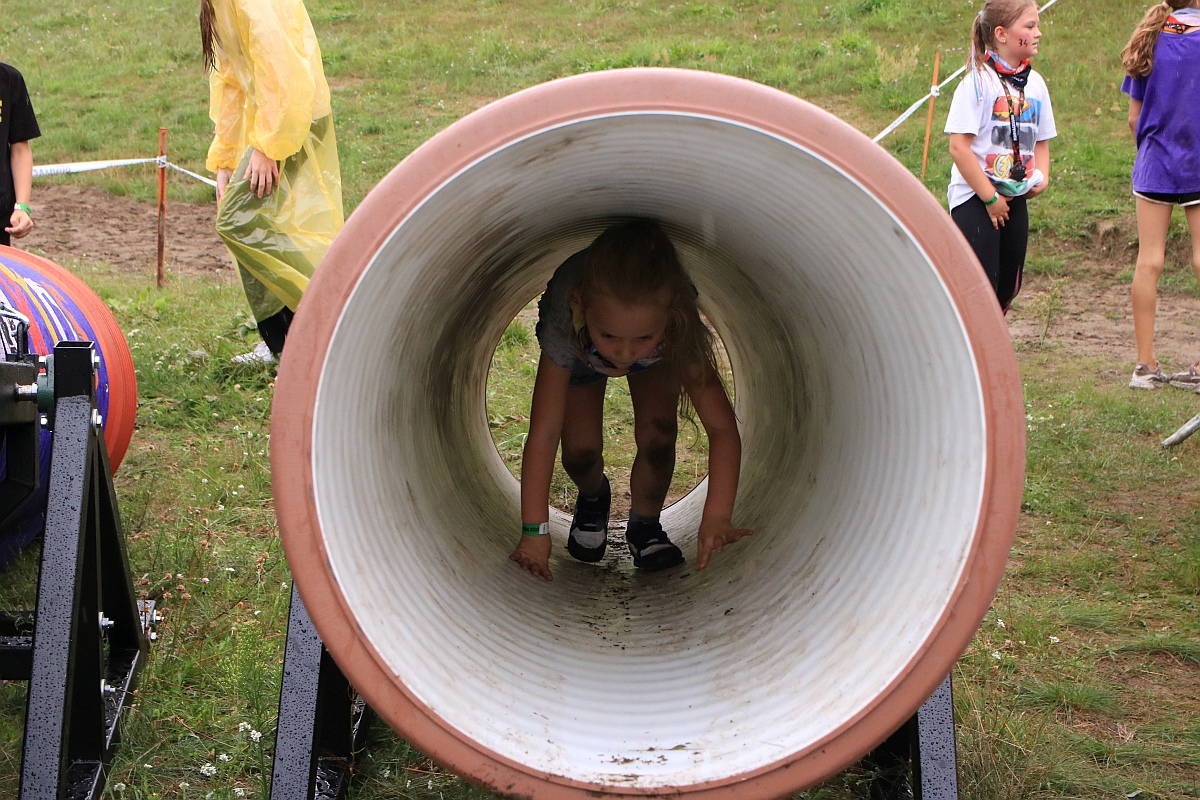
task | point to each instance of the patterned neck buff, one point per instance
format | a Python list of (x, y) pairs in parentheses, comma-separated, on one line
[(1182, 19), (1017, 78)]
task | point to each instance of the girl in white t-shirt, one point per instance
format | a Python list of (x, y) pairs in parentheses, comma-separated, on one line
[(1000, 125)]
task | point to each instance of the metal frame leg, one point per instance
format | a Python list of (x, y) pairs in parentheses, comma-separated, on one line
[(919, 760), (321, 721), (88, 642), (935, 767)]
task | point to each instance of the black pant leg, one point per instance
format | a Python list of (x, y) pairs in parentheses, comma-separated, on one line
[(973, 220), (274, 330), (1014, 239), (1000, 252)]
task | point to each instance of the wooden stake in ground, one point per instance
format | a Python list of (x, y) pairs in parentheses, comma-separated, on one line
[(1190, 427), (933, 93), (161, 275)]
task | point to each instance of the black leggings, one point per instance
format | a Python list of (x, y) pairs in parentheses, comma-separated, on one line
[(274, 330), (1001, 252)]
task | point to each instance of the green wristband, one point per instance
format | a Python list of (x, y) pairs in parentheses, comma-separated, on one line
[(535, 528), (24, 208), (992, 202)]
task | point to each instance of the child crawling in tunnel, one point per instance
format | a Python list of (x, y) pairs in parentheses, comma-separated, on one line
[(624, 307)]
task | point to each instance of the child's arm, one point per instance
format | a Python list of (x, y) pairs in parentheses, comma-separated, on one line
[(976, 178), (537, 463), (21, 162), (724, 462), (1135, 111), (1041, 159)]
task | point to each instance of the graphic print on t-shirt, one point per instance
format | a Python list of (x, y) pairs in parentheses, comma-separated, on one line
[(998, 165)]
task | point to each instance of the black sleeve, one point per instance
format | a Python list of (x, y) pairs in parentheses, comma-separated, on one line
[(22, 124)]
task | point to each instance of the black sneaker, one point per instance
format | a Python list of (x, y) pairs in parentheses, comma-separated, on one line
[(589, 526), (650, 547)]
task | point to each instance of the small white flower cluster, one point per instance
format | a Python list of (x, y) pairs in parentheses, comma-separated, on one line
[(208, 770), (243, 727)]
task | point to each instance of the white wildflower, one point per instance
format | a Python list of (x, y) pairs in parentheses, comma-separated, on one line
[(1000, 622), (255, 735), (208, 770), (1055, 640), (243, 727), (239, 791), (996, 654), (223, 757)]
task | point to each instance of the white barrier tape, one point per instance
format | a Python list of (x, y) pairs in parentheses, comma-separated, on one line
[(86, 166), (934, 91), (200, 178), (161, 162)]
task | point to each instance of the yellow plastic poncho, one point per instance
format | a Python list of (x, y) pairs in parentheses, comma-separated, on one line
[(269, 92)]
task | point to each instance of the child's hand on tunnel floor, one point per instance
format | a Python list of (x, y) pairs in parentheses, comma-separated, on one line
[(714, 536), (533, 554)]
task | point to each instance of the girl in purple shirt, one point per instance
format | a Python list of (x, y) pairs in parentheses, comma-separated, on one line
[(1163, 85)]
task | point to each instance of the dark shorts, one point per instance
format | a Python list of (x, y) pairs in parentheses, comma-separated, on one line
[(1167, 199), (583, 375)]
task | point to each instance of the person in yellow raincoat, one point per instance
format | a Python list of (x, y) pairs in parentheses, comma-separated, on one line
[(279, 187)]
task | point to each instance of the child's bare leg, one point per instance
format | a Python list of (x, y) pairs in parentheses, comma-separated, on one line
[(655, 394), (1190, 378), (583, 437), (1153, 220), (1193, 221)]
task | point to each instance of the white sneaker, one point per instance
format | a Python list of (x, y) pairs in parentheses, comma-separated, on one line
[(261, 354)]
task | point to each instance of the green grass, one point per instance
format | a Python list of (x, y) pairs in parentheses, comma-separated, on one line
[(1080, 684)]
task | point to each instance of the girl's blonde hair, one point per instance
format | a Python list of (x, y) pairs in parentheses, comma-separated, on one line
[(1138, 55), (634, 262), (208, 34), (994, 14)]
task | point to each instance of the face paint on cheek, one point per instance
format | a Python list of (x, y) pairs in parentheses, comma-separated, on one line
[(1023, 42)]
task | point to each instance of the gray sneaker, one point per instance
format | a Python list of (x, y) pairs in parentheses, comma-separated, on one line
[(1146, 378), (1187, 380)]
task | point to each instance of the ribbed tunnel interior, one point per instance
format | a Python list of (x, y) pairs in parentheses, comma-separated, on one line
[(863, 422)]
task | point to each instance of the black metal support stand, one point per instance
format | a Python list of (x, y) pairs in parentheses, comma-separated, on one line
[(920, 759), (322, 721), (88, 632)]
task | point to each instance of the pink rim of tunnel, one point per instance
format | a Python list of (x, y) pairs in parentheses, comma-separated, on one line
[(621, 92)]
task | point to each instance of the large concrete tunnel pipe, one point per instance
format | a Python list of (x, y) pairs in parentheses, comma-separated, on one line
[(883, 436)]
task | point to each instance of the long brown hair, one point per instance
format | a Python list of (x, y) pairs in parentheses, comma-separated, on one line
[(208, 34), (635, 261), (994, 14), (1138, 55)]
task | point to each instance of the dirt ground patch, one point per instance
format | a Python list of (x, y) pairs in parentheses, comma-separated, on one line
[(1095, 317), (84, 223)]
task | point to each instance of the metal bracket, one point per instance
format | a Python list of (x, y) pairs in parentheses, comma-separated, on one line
[(87, 641), (322, 720), (919, 760)]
